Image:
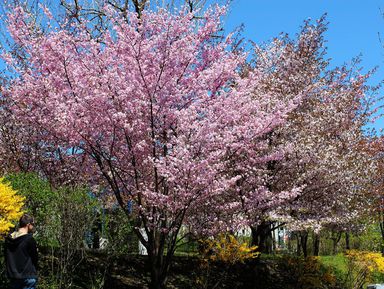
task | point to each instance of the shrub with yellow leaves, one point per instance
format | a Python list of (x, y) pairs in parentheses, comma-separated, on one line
[(10, 207), (362, 265), (372, 261), (227, 249)]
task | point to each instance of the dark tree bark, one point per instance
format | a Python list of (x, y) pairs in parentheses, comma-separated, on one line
[(316, 244), (381, 218), (336, 236), (262, 237), (347, 241), (304, 242), (298, 245)]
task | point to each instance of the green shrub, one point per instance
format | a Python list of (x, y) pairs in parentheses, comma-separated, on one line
[(118, 230), (41, 201)]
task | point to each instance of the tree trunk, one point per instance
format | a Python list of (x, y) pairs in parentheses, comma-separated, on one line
[(262, 244), (160, 264), (261, 237), (335, 238), (289, 243), (160, 248), (156, 262), (304, 242), (298, 250), (316, 244), (157, 278), (156, 283), (254, 236), (382, 233), (347, 241), (269, 241)]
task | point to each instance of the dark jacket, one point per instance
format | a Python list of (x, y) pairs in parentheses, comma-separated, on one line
[(21, 256)]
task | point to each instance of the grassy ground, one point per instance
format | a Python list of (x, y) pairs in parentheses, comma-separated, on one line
[(337, 263)]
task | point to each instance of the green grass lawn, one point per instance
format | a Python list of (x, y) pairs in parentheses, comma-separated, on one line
[(337, 263)]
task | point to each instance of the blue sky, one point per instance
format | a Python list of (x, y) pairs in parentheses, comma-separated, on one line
[(353, 27)]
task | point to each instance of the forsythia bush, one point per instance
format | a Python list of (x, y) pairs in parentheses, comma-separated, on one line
[(10, 207), (227, 249), (370, 260), (362, 266)]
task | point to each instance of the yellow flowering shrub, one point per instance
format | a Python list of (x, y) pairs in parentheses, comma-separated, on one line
[(224, 248), (373, 261), (227, 249), (10, 207), (362, 266)]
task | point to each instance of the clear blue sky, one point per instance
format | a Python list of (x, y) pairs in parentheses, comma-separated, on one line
[(353, 27)]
